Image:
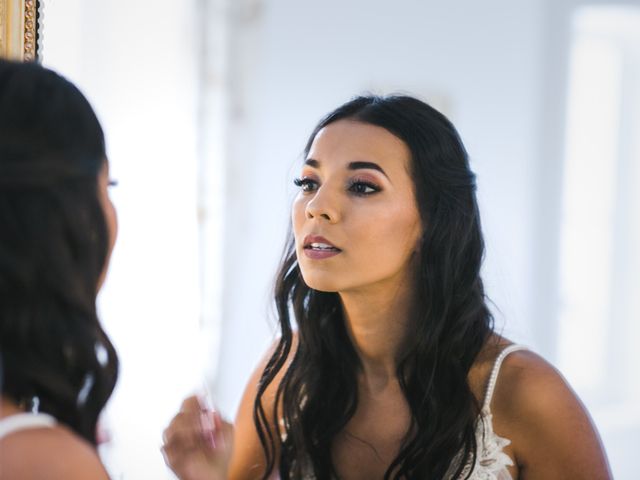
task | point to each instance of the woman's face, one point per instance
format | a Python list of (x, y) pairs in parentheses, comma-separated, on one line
[(355, 219), (111, 218)]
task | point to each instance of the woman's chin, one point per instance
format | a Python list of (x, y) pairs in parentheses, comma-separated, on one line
[(321, 283)]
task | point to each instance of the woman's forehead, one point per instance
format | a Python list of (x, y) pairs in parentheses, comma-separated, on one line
[(346, 141)]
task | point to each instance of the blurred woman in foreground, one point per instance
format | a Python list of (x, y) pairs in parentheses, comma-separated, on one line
[(57, 230)]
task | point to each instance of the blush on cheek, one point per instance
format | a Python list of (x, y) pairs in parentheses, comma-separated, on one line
[(401, 235)]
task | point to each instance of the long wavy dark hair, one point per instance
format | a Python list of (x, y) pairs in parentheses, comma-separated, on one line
[(450, 323), (53, 249)]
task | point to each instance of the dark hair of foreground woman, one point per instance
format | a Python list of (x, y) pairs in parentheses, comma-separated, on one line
[(54, 249)]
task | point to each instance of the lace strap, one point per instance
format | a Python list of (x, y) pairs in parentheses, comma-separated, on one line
[(24, 421), (493, 378)]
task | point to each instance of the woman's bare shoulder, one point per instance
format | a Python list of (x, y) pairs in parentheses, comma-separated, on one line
[(525, 380), (52, 453), (550, 429), (529, 385)]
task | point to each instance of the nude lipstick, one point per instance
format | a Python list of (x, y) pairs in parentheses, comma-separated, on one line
[(319, 248)]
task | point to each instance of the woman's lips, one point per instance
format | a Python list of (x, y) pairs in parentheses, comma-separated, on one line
[(320, 253), (318, 248)]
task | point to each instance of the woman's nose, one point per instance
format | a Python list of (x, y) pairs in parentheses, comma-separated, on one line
[(323, 206)]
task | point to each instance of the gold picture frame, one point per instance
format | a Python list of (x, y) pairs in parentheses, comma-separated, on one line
[(20, 29)]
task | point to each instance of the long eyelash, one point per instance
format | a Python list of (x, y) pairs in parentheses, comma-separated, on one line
[(112, 183), (303, 182)]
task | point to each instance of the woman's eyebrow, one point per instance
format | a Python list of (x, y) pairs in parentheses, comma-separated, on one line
[(352, 166), (367, 166), (312, 163)]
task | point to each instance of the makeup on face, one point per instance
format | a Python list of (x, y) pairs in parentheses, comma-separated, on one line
[(355, 217), (318, 247), (363, 183)]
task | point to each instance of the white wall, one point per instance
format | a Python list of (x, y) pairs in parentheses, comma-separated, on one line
[(481, 59), (137, 65), (499, 67)]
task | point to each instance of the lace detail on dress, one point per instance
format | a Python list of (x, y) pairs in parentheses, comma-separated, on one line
[(491, 462)]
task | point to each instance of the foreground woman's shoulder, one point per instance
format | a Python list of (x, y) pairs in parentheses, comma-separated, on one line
[(550, 429), (52, 453)]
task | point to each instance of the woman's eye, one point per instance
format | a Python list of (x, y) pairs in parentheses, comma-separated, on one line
[(112, 183), (306, 184), (363, 188)]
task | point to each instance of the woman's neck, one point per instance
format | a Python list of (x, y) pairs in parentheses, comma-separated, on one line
[(377, 322)]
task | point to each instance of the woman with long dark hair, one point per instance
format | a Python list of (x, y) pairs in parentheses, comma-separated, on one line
[(394, 370), (57, 230)]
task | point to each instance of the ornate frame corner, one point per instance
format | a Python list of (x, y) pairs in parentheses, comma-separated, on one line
[(20, 29)]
